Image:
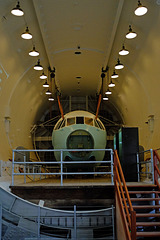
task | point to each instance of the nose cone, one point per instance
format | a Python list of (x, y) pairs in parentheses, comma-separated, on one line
[(80, 139)]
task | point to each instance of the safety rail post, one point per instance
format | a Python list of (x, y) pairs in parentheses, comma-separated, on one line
[(138, 168), (114, 169), (113, 222), (13, 168), (61, 168), (75, 224), (133, 225), (152, 163), (112, 164), (33, 168), (25, 169), (45, 172), (38, 222), (40, 171), (156, 169), (0, 221)]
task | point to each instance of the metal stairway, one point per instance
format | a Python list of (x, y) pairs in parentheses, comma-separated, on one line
[(138, 206), (145, 203)]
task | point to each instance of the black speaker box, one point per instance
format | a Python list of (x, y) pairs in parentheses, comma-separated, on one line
[(127, 147)]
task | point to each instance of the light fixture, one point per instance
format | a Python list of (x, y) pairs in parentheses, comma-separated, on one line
[(48, 92), (119, 65), (46, 84), (34, 52), (78, 51), (131, 34), (108, 92), (38, 66), (111, 84), (17, 11), (26, 35), (43, 76), (51, 98), (105, 98), (114, 75), (123, 51), (140, 10)]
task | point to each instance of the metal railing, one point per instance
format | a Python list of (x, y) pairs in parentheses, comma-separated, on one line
[(156, 160), (12, 211), (37, 168), (146, 164), (80, 220), (124, 201)]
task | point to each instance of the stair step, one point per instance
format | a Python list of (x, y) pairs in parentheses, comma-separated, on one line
[(143, 192), (147, 215), (145, 199), (146, 206), (148, 234), (147, 224), (142, 186)]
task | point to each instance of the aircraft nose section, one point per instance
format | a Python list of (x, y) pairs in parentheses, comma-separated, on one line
[(80, 139)]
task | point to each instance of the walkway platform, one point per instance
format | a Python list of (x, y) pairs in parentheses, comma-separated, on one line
[(75, 191), (80, 192)]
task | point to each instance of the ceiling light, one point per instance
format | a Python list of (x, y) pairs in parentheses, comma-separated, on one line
[(114, 75), (140, 10), (26, 35), (43, 76), (131, 34), (38, 66), (33, 52), (108, 92), (48, 92), (46, 84), (119, 65), (105, 98), (51, 99), (123, 51), (17, 11), (111, 84)]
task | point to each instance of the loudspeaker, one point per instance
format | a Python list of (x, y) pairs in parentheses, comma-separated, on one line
[(128, 146)]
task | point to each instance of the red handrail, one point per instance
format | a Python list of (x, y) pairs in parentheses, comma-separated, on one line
[(121, 190), (156, 159)]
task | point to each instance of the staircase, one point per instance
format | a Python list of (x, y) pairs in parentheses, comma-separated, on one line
[(137, 206), (145, 201)]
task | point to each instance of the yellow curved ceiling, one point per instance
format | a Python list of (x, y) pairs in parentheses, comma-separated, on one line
[(98, 27)]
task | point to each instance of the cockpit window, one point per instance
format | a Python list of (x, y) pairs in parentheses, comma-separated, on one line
[(58, 125), (79, 120), (100, 124), (89, 121), (70, 121), (63, 124), (96, 123)]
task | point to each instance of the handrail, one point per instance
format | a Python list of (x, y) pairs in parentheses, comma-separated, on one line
[(149, 165), (122, 212), (156, 169), (47, 217), (129, 219)]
